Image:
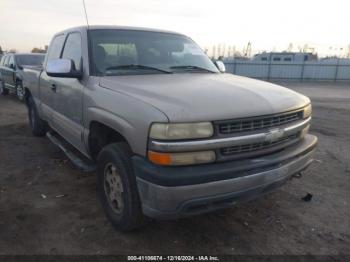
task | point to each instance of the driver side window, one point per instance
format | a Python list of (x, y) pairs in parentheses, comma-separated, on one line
[(72, 49), (55, 47)]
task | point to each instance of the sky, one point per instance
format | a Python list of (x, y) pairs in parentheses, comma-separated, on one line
[(267, 24)]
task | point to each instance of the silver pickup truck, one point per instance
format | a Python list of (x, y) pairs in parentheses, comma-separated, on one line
[(170, 134)]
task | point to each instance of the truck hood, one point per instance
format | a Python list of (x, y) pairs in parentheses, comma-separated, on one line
[(206, 97)]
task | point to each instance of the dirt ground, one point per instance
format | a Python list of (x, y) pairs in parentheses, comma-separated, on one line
[(34, 221)]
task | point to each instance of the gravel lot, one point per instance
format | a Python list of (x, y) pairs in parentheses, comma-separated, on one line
[(34, 221)]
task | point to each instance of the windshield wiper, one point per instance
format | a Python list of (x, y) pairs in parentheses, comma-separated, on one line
[(135, 66), (191, 67)]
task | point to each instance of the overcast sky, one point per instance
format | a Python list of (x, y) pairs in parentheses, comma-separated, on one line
[(268, 24)]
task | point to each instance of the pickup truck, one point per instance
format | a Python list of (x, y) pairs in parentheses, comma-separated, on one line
[(167, 131), (11, 71)]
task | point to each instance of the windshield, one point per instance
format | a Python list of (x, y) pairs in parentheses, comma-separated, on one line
[(30, 59), (129, 52)]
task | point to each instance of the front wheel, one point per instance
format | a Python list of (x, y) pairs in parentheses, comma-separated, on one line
[(116, 184), (3, 90)]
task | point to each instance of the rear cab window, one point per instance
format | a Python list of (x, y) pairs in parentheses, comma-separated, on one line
[(29, 59)]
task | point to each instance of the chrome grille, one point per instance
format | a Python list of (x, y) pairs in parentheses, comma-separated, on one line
[(254, 147), (256, 123)]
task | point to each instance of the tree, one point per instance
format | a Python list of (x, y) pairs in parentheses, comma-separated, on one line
[(1, 52), (38, 50)]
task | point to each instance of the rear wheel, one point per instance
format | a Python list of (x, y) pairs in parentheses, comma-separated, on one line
[(37, 125), (116, 184), (3, 90), (20, 90)]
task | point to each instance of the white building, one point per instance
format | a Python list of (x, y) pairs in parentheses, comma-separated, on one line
[(284, 57)]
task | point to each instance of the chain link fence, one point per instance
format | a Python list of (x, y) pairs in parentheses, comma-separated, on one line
[(335, 70)]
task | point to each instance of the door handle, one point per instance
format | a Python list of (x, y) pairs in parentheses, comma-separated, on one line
[(53, 87)]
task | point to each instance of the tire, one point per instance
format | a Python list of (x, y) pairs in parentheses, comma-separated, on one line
[(37, 125), (117, 189), (3, 90), (20, 92)]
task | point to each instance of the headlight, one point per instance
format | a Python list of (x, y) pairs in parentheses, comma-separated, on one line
[(307, 111), (181, 131), (188, 158)]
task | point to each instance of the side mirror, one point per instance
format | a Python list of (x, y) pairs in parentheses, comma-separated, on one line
[(220, 65), (62, 68), (12, 66)]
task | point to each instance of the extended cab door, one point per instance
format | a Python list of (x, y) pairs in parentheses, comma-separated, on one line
[(67, 118), (47, 91)]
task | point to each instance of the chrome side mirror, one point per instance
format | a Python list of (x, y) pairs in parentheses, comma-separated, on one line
[(62, 68), (220, 65)]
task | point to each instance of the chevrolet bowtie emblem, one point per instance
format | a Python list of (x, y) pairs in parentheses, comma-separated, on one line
[(274, 135)]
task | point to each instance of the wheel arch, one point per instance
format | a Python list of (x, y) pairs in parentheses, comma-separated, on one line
[(27, 94), (102, 134)]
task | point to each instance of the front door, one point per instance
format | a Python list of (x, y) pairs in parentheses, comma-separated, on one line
[(67, 116)]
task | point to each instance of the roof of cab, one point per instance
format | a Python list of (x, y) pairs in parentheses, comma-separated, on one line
[(96, 27)]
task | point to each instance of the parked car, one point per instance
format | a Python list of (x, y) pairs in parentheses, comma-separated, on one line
[(11, 70), (169, 133)]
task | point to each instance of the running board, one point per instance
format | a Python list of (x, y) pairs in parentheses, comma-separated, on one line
[(79, 162)]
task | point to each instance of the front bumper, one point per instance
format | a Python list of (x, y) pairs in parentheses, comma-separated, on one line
[(173, 192)]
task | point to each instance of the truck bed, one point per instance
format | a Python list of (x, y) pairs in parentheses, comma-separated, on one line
[(31, 78)]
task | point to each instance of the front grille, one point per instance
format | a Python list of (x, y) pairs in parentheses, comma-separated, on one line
[(256, 123), (228, 151)]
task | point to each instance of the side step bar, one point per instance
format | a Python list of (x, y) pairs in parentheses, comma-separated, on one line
[(79, 162)]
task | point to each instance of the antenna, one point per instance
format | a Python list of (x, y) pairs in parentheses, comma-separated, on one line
[(86, 16)]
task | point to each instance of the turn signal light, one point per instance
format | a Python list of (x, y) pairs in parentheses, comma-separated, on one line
[(159, 158), (188, 158)]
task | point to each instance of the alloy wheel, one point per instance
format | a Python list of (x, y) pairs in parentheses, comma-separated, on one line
[(113, 188)]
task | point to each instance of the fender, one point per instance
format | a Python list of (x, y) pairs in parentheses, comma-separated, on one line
[(111, 120)]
